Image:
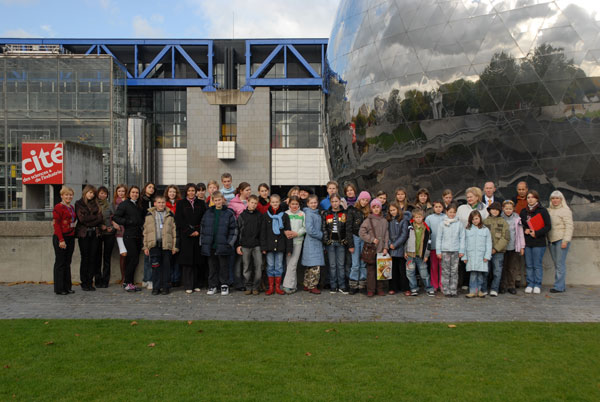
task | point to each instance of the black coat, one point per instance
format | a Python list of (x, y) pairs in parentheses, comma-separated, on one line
[(249, 226), (354, 218), (269, 241), (188, 221), (327, 226), (223, 240), (131, 217), (540, 236)]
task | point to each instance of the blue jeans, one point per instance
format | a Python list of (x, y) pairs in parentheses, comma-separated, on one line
[(496, 264), (336, 253), (477, 281), (147, 269), (559, 256), (412, 264), (533, 263), (274, 263), (358, 271)]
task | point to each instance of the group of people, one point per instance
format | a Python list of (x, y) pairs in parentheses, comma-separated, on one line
[(434, 244)]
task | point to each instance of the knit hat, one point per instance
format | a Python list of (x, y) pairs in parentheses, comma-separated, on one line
[(495, 205), (365, 195), (375, 202)]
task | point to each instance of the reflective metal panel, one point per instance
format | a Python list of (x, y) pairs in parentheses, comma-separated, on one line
[(450, 94)]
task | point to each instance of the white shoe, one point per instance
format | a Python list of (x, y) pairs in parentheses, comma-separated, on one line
[(493, 293), (211, 291), (224, 290), (537, 290), (144, 284), (196, 289), (528, 289), (465, 288), (189, 292), (149, 287)]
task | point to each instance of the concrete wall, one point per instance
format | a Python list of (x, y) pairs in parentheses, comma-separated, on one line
[(253, 157), (172, 166), (299, 166), (27, 255)]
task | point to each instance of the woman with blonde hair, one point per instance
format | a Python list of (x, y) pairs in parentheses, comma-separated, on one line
[(559, 238), (63, 240)]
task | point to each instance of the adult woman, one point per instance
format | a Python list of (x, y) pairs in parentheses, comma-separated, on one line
[(188, 217), (423, 202), (473, 195), (559, 238), (130, 215), (120, 196), (537, 223), (146, 202), (89, 217), (172, 195), (240, 201), (106, 243), (63, 240)]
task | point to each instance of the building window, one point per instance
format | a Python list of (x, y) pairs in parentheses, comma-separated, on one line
[(228, 123), (296, 119), (170, 119)]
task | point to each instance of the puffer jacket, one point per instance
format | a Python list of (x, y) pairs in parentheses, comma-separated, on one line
[(223, 240), (354, 218), (450, 237), (312, 251), (398, 232), (89, 216), (411, 243), (380, 224), (169, 231), (131, 217), (517, 237), (478, 245), (327, 223), (433, 221), (562, 224), (500, 232)]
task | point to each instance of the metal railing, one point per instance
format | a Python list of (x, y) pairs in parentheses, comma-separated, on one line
[(33, 49)]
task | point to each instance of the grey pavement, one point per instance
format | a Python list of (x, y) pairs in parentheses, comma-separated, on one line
[(578, 304)]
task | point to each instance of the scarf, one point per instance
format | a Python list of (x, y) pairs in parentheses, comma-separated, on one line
[(277, 223), (351, 201), (448, 221), (103, 204)]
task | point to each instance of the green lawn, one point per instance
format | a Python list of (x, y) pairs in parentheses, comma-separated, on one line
[(112, 360)]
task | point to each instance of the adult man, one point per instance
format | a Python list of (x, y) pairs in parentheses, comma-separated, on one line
[(489, 190), (521, 198)]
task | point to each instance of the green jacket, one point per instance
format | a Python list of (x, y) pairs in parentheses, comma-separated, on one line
[(500, 231)]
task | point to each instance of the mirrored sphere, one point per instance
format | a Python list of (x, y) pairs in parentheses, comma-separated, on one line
[(452, 94)]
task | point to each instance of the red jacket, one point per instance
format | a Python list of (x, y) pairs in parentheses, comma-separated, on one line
[(172, 207), (64, 219)]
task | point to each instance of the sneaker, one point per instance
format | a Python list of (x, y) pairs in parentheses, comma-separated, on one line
[(190, 291), (196, 289), (248, 292), (289, 291), (315, 291), (481, 294), (414, 292), (255, 292), (144, 284), (556, 291), (370, 294), (470, 295), (130, 287), (224, 290), (512, 291), (211, 291), (537, 290), (353, 291), (407, 293), (155, 292), (149, 286), (528, 289), (391, 292), (431, 293), (333, 291), (493, 293), (465, 288)]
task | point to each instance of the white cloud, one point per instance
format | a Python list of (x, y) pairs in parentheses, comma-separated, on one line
[(49, 32), (143, 29), (17, 33), (267, 18)]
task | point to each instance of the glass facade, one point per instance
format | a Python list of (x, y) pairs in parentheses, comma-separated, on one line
[(442, 94), (80, 99), (296, 119)]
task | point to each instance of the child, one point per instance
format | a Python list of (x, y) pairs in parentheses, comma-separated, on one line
[(303, 195), (332, 188), (402, 199), (201, 191), (274, 243), (210, 189), (312, 254), (263, 198), (297, 235), (433, 221), (350, 193), (500, 233), (172, 195), (382, 196), (120, 196), (515, 248), (417, 251), (334, 238), (240, 200), (249, 226), (218, 233), (374, 230), (398, 229), (447, 197), (227, 190), (160, 239), (423, 202), (64, 222), (478, 251), (354, 218), (449, 246)]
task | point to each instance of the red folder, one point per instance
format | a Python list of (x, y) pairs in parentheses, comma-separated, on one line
[(536, 222)]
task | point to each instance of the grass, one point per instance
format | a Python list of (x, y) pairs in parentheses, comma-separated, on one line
[(206, 360)]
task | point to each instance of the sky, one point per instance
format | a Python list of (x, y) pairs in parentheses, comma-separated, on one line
[(202, 19)]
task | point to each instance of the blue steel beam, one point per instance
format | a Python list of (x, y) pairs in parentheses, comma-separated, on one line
[(267, 61), (154, 62), (303, 61), (190, 61), (121, 66), (91, 49)]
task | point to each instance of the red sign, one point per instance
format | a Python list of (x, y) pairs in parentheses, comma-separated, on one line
[(42, 162)]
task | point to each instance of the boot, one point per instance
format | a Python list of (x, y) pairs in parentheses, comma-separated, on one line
[(270, 291), (122, 262), (278, 286)]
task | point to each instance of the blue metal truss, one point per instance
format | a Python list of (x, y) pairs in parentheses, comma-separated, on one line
[(172, 47)]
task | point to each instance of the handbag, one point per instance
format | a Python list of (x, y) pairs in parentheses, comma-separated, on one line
[(369, 251)]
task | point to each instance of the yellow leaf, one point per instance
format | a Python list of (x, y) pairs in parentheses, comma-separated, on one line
[(49, 343), (190, 322), (46, 323), (151, 345), (308, 354), (451, 326), (76, 334), (133, 323)]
